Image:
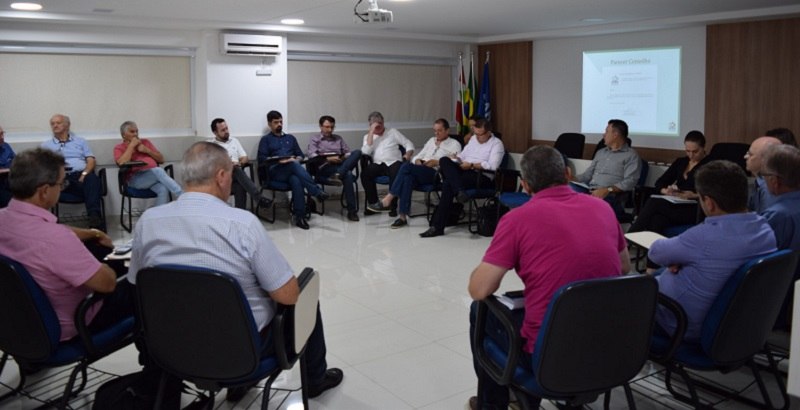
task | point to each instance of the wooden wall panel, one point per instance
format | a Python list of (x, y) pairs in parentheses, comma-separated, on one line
[(752, 79), (510, 76)]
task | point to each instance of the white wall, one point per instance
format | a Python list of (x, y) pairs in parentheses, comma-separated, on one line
[(557, 76)]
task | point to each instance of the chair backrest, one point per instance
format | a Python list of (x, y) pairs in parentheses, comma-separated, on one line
[(731, 151), (197, 323), (740, 319), (596, 334), (571, 144), (29, 327)]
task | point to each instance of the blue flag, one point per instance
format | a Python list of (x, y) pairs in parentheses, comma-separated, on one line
[(484, 106)]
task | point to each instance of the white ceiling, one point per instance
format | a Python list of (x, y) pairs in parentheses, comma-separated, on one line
[(471, 20)]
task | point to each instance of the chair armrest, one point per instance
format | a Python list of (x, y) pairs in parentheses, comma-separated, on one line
[(680, 329), (170, 170), (103, 181), (82, 326), (502, 376), (284, 325)]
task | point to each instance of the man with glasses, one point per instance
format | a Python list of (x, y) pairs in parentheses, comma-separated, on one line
[(80, 164), (759, 198), (6, 156), (56, 255)]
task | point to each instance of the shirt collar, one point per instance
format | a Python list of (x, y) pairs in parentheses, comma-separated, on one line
[(58, 141), (29, 209)]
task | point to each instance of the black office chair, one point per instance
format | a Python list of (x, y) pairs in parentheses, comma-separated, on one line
[(483, 193), (731, 151), (312, 170), (735, 329), (198, 326), (595, 336), (70, 198), (571, 144), (30, 332), (267, 183), (128, 192)]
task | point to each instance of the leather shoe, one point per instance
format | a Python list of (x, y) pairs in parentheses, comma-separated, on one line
[(393, 213), (473, 403), (352, 216), (398, 223), (367, 212), (378, 207), (322, 195), (431, 232), (265, 203), (333, 377), (301, 223)]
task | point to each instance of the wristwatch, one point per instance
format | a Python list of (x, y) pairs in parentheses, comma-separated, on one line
[(610, 190), (84, 173)]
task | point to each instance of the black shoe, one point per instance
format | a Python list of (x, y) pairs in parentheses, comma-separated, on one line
[(462, 197), (367, 212), (398, 223), (335, 180), (301, 223), (431, 232), (265, 203), (237, 393), (333, 377), (378, 207), (352, 216), (393, 213), (322, 195)]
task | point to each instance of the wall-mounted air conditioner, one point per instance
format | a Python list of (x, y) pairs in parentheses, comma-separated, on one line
[(250, 44)]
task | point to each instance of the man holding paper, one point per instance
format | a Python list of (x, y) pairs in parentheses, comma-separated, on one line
[(558, 237)]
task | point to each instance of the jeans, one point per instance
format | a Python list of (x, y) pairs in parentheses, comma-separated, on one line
[(348, 179), (298, 179), (156, 180), (243, 185), (491, 395), (454, 179), (408, 177), (90, 190)]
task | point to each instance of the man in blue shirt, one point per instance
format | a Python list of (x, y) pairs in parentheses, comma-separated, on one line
[(701, 260), (780, 172), (6, 156), (760, 198), (81, 178), (282, 155)]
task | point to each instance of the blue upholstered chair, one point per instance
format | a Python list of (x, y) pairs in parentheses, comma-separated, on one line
[(30, 332), (128, 193), (176, 328), (594, 337), (735, 329)]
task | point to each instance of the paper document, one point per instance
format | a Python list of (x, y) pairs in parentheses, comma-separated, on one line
[(643, 239), (675, 199)]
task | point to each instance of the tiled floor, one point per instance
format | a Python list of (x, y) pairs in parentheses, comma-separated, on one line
[(395, 309)]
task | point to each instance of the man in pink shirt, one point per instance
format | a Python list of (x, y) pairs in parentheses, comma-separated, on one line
[(150, 175), (55, 254), (556, 238)]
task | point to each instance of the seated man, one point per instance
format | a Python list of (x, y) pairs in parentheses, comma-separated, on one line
[(556, 238), (6, 156), (615, 168), (759, 197), (699, 261), (384, 147), (421, 170), (81, 178), (234, 242), (287, 167), (334, 169), (54, 254), (780, 172), (150, 175), (483, 152), (242, 184)]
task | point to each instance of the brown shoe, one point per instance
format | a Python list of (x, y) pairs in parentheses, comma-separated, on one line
[(472, 403)]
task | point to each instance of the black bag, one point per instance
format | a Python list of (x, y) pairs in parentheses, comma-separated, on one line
[(488, 216), (456, 209), (138, 391)]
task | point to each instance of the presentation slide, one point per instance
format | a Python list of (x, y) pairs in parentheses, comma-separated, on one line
[(640, 87)]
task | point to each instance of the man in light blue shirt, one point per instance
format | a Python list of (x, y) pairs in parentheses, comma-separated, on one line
[(701, 260), (760, 198), (201, 229), (82, 181), (6, 156), (780, 172)]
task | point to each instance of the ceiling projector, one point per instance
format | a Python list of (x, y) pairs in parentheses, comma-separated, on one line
[(372, 14)]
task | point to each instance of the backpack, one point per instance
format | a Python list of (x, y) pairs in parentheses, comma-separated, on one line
[(137, 391)]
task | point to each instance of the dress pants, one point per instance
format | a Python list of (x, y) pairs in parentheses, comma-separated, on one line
[(372, 171), (315, 352), (454, 180), (243, 185), (90, 190), (658, 214)]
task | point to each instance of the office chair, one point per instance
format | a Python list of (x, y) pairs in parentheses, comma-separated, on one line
[(570, 144), (594, 337), (208, 337), (485, 193), (30, 332), (70, 198), (269, 184), (731, 151), (735, 329), (128, 192)]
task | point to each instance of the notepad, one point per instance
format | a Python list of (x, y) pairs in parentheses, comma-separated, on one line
[(674, 199)]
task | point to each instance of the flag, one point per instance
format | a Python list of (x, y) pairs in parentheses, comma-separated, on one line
[(469, 95), (459, 99), (484, 106)]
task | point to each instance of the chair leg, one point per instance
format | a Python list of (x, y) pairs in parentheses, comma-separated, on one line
[(81, 367), (162, 383), (21, 383), (267, 387), (694, 400), (629, 396), (304, 380)]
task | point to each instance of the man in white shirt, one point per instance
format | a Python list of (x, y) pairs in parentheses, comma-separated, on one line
[(384, 147), (242, 184)]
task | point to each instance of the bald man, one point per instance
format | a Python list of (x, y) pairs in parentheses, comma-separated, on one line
[(760, 197)]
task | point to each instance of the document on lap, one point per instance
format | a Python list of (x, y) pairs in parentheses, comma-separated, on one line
[(643, 239), (674, 199)]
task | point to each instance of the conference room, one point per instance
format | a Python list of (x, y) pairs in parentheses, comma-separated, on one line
[(395, 305)]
